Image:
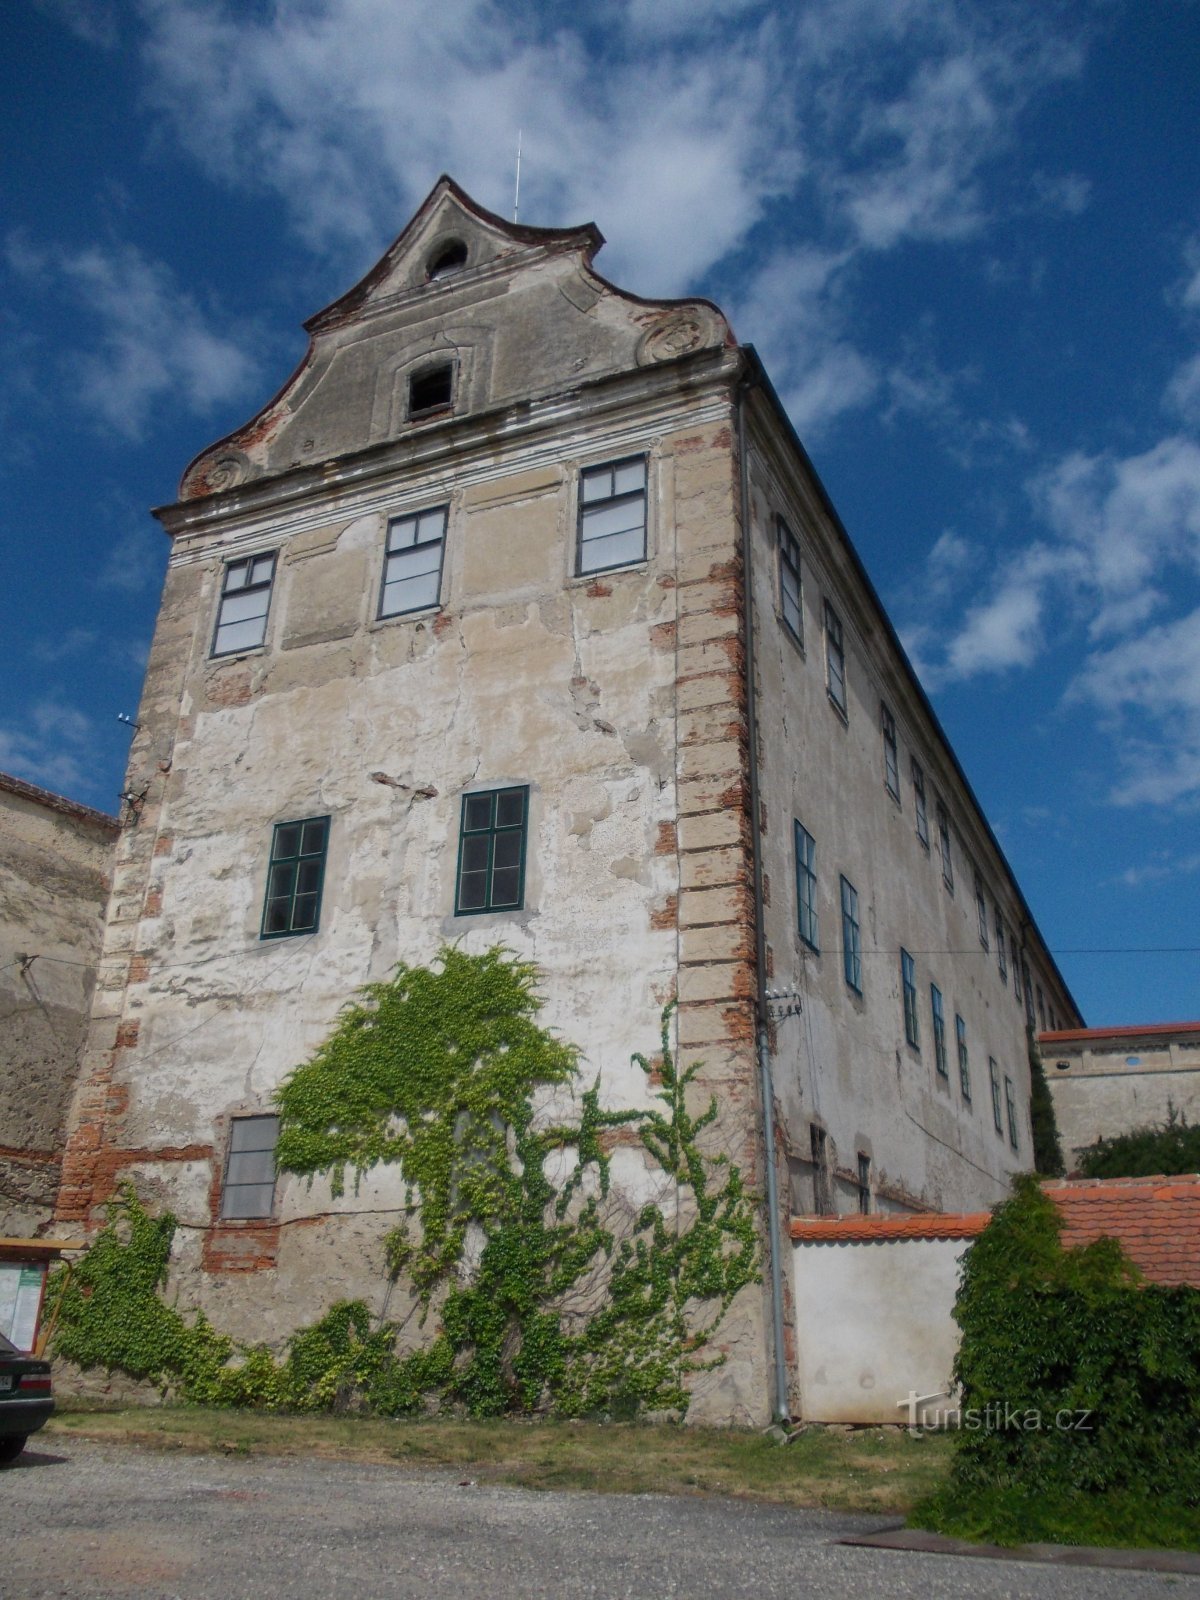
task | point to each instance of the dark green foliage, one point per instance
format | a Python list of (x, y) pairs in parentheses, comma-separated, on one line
[(1047, 1150), (1108, 1368), (436, 1072), (1170, 1147)]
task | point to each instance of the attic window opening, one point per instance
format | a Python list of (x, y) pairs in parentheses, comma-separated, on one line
[(431, 390), (450, 258)]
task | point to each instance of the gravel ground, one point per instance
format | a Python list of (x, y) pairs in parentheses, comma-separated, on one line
[(106, 1522)]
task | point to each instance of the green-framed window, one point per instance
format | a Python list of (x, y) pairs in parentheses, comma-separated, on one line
[(1010, 1102), (997, 1112), (491, 851), (964, 1060), (806, 887), (790, 589), (295, 878), (908, 982), (851, 937), (938, 1012)]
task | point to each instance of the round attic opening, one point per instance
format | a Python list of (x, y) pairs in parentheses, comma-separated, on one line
[(447, 258)]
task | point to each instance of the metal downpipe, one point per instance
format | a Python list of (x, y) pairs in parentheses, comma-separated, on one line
[(780, 1411)]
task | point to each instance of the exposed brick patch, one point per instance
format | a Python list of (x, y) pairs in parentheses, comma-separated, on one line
[(723, 439), (139, 969), (127, 1035), (766, 889), (152, 906), (164, 844), (231, 688), (442, 623), (689, 445), (665, 915), (229, 1247), (623, 1137), (662, 635), (667, 580), (666, 841), (598, 590)]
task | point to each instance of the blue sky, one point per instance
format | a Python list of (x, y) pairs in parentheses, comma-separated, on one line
[(964, 237)]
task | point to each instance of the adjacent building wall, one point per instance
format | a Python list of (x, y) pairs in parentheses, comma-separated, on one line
[(843, 1064), (1108, 1081), (55, 865)]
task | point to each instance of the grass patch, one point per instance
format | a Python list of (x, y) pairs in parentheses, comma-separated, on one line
[(871, 1469)]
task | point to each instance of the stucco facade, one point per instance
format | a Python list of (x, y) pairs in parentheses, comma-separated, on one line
[(1108, 1081), (55, 865), (485, 379)]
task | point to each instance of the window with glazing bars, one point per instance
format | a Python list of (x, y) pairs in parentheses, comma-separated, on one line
[(835, 659), (851, 937), (1010, 1105), (412, 562), (864, 1182), (491, 851), (943, 824), (249, 1187), (918, 782), (997, 1113), (612, 515), (1041, 1009), (789, 582), (1016, 967), (245, 601), (891, 757), (295, 877), (981, 909), (1000, 960), (1027, 986), (806, 887), (939, 1030), (908, 983), (964, 1061)]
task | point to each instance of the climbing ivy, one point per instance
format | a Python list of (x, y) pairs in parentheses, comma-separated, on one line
[(560, 1305)]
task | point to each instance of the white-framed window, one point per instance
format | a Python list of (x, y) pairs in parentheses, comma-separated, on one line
[(790, 590), (249, 1187), (891, 754), (922, 815), (835, 659), (612, 515), (414, 552), (245, 601), (806, 887)]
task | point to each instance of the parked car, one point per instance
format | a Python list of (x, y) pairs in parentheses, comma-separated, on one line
[(25, 1399)]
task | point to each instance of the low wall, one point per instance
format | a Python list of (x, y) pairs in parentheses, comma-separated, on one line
[(875, 1329)]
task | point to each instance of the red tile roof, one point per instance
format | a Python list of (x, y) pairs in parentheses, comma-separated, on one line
[(1133, 1031), (1156, 1219)]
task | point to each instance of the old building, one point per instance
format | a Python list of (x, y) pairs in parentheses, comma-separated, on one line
[(1109, 1081), (55, 866), (520, 615)]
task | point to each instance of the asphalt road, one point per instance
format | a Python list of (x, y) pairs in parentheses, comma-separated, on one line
[(109, 1522)]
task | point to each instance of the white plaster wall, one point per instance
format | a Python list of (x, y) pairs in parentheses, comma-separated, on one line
[(874, 1322), (1105, 1090), (844, 1062)]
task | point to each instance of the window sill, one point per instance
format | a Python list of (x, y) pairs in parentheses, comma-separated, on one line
[(421, 615), (840, 710), (577, 578)]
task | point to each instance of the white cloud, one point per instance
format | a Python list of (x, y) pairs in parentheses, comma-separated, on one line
[(147, 340), (54, 747)]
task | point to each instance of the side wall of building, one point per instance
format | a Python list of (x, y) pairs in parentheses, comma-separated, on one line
[(1104, 1086), (883, 1108), (55, 864)]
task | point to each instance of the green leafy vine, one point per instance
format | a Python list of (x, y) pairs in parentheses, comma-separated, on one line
[(563, 1302)]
